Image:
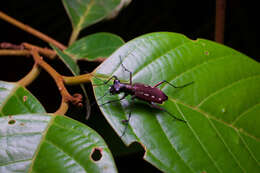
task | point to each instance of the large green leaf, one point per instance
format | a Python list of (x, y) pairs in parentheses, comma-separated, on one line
[(91, 47), (221, 108), (87, 12), (45, 143), (15, 99)]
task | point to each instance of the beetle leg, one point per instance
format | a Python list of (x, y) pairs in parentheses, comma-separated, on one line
[(110, 79), (154, 105), (130, 73), (112, 101), (128, 119), (126, 123)]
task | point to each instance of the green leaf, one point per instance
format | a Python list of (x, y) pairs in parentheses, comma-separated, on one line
[(99, 45), (221, 108), (87, 12), (15, 99), (44, 143), (68, 61)]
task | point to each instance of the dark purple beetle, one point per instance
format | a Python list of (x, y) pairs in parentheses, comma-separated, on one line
[(150, 94)]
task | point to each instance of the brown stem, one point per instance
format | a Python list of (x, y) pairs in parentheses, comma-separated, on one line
[(66, 97), (44, 51), (31, 30), (6, 45), (220, 20), (22, 50), (29, 78), (64, 106), (7, 52)]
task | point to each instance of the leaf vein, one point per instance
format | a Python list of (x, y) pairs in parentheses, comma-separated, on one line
[(244, 113), (66, 153), (247, 147), (13, 162), (226, 87), (174, 146), (196, 136), (226, 146)]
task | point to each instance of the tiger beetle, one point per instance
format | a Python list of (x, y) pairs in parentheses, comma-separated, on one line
[(150, 94)]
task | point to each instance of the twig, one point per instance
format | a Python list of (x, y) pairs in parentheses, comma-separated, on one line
[(7, 52), (31, 30), (29, 78), (66, 97), (6, 45), (64, 106), (44, 51), (22, 50), (75, 80), (220, 20)]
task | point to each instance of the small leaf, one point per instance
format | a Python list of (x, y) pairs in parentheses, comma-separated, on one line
[(68, 61), (15, 99), (99, 45), (44, 143), (87, 12), (221, 108)]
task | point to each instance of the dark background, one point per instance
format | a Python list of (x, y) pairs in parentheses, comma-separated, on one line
[(194, 19)]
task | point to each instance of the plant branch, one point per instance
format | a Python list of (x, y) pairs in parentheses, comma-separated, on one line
[(29, 78), (64, 106), (31, 30), (75, 80), (24, 50), (66, 97), (220, 20), (44, 51), (8, 52)]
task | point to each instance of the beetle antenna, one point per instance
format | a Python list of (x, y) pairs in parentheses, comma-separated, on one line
[(130, 73), (121, 62)]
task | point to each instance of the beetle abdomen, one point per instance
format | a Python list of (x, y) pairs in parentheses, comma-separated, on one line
[(148, 93)]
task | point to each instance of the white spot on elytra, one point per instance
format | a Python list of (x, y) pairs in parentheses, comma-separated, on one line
[(153, 97), (160, 99), (146, 94)]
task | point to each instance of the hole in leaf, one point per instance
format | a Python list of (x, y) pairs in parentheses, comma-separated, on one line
[(11, 122), (96, 154)]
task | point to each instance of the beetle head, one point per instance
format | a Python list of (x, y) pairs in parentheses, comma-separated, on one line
[(115, 88)]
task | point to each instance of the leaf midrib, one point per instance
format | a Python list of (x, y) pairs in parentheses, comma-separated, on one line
[(82, 18), (30, 170), (9, 95)]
